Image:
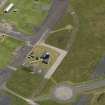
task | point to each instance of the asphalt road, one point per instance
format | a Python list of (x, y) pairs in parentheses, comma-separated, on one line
[(4, 75), (19, 59)]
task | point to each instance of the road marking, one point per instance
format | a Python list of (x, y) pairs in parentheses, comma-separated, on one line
[(12, 68)]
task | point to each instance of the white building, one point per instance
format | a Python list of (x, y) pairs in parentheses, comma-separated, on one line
[(9, 7)]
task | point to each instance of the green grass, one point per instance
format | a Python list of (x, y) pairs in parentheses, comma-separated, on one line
[(61, 39), (38, 51), (24, 83), (6, 49), (50, 102), (89, 45), (28, 16)]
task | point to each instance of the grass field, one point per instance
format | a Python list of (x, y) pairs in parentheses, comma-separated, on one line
[(38, 52), (24, 83), (62, 36), (98, 99), (89, 45), (47, 92), (50, 102), (6, 49), (29, 15)]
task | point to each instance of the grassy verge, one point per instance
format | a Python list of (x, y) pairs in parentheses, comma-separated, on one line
[(6, 49)]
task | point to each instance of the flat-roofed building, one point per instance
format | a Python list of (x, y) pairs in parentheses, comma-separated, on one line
[(9, 7)]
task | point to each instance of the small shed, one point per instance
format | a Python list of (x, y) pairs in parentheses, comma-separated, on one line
[(9, 7)]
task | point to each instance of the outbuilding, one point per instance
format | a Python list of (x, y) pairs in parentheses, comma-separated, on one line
[(9, 7)]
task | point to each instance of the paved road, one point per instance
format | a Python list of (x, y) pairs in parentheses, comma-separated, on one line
[(4, 75), (90, 86), (16, 35)]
